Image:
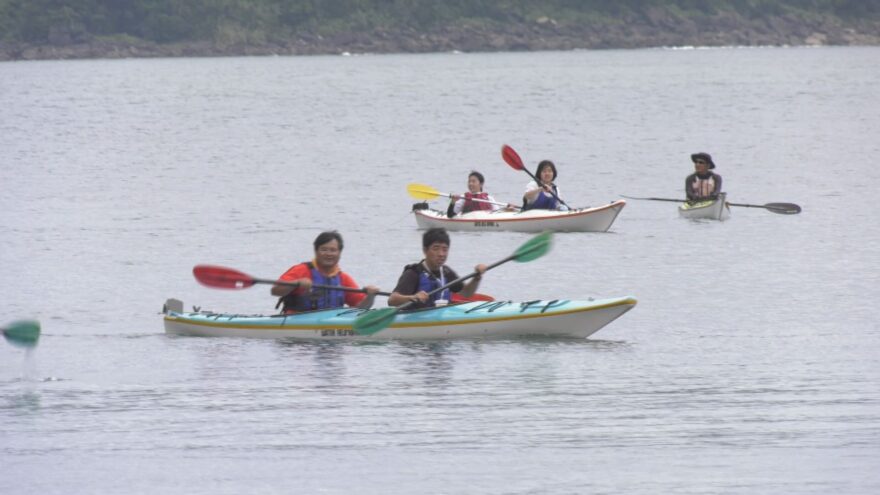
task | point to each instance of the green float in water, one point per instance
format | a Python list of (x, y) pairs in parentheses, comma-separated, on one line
[(23, 333)]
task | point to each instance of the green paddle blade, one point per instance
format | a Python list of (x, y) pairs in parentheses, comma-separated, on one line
[(535, 248), (372, 322), (23, 333)]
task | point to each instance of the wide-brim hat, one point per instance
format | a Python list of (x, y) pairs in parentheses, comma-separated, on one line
[(703, 156)]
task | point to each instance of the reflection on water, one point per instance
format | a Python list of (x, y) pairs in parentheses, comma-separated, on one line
[(319, 360), (24, 402), (432, 362), (592, 342), (27, 398)]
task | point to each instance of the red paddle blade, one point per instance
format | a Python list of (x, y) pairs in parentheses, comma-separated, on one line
[(221, 278), (512, 158), (476, 297)]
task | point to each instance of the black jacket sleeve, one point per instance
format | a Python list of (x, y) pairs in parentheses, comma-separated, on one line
[(717, 186), (687, 187), (450, 212), (408, 283)]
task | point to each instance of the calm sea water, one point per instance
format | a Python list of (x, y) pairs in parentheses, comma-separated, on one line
[(749, 366)]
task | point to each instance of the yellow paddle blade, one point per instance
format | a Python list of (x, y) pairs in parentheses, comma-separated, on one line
[(422, 191)]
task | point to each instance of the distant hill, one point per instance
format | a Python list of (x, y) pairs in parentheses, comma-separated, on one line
[(32, 29)]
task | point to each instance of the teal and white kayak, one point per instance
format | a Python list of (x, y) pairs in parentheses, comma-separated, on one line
[(483, 320), (711, 210)]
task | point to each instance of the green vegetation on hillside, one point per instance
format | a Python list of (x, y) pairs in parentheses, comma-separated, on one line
[(260, 21)]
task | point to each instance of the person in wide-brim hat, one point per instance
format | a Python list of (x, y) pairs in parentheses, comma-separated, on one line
[(705, 157), (703, 184)]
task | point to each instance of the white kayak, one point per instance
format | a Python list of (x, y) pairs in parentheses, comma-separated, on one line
[(711, 210), (483, 320), (598, 219)]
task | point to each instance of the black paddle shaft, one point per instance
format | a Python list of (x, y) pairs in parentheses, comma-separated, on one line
[(538, 181), (317, 286), (781, 208)]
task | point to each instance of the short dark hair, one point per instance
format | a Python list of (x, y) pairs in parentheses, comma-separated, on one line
[(325, 237), (478, 175), (542, 165), (436, 234)]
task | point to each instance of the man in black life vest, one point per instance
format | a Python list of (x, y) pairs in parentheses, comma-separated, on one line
[(432, 273)]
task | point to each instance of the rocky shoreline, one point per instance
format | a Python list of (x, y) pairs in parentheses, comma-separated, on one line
[(652, 29)]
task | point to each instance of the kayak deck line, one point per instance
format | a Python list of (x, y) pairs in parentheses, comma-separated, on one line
[(519, 316), (698, 204)]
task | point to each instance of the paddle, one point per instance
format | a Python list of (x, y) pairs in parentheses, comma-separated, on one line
[(220, 277), (781, 208), (374, 321), (476, 297), (512, 158), (422, 191), (22, 333)]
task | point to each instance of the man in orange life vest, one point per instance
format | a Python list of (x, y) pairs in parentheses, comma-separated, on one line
[(465, 203), (703, 184), (322, 270)]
